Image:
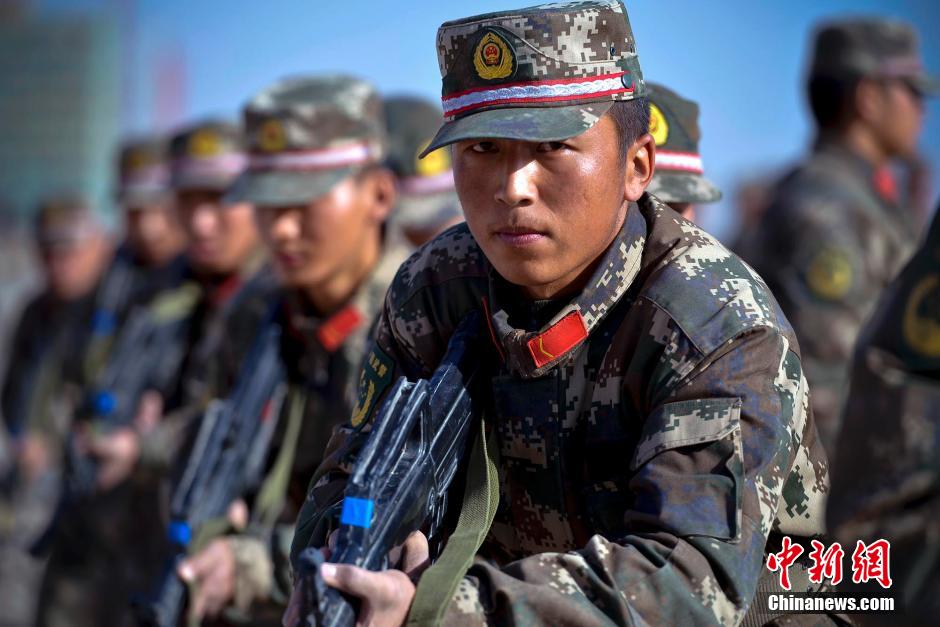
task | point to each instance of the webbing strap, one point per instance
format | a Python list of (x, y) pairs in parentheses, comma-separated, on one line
[(481, 497)]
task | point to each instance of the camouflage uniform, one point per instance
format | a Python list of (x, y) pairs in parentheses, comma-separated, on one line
[(830, 240), (427, 200), (679, 176), (884, 478), (654, 432), (313, 118), (99, 560)]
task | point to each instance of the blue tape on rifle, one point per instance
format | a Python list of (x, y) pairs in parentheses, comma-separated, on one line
[(104, 403), (357, 512), (180, 533), (103, 322)]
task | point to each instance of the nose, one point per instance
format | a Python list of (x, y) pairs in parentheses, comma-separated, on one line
[(205, 221), (518, 185), (285, 226)]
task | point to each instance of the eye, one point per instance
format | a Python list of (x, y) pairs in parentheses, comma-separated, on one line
[(483, 147), (551, 146)]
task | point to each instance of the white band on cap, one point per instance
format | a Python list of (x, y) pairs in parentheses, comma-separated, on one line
[(681, 161), (230, 164), (536, 91), (417, 185), (350, 154)]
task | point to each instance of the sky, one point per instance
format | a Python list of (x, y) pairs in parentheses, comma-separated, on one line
[(742, 60)]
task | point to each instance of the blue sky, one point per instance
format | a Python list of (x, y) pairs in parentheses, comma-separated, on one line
[(743, 60)]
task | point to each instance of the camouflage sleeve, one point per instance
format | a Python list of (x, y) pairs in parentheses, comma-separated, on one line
[(828, 288), (705, 482)]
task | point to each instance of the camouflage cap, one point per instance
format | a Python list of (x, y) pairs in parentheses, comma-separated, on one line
[(143, 173), (208, 155), (305, 135), (427, 197), (674, 127), (65, 221), (876, 47), (542, 73)]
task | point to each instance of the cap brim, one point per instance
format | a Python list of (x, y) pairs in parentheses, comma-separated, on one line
[(279, 188), (683, 187), (532, 124), (926, 84), (425, 211), (184, 182), (141, 197)]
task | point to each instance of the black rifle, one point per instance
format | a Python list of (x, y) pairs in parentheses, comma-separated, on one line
[(227, 459), (400, 481)]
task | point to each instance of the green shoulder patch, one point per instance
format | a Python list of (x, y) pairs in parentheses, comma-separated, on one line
[(830, 273), (377, 370)]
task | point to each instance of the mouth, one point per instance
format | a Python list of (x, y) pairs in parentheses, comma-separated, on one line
[(289, 260), (519, 235)]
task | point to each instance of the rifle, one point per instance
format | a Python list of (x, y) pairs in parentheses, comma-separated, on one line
[(227, 459), (147, 354), (401, 477)]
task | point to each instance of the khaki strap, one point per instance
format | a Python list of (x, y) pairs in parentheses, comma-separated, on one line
[(273, 492), (481, 497)]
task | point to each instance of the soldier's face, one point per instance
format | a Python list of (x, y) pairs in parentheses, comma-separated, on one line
[(154, 233), (328, 240), (902, 118), (544, 213), (221, 237), (73, 269)]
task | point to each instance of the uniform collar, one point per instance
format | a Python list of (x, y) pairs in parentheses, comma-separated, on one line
[(879, 180), (533, 354)]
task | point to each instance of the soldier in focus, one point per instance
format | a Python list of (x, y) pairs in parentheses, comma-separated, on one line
[(885, 483), (321, 195), (834, 236), (98, 561), (679, 179), (629, 359), (427, 201)]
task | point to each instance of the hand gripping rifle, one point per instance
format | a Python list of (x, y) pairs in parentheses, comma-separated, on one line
[(227, 459), (401, 477)]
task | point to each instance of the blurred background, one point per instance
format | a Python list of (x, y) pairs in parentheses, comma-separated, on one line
[(77, 75)]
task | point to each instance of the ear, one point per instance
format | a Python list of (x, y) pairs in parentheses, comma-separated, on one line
[(869, 101), (641, 161), (383, 191)]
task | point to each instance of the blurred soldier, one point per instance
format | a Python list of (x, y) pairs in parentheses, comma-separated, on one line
[(834, 236), (322, 196), (885, 480), (149, 260), (52, 332), (644, 392), (427, 201), (98, 560), (679, 179)]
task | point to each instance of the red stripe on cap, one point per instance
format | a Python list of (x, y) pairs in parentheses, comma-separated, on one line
[(505, 101), (555, 81), (334, 331), (558, 340)]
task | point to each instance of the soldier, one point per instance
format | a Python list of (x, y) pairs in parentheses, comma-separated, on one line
[(634, 361), (149, 261), (322, 196), (98, 560), (427, 201), (833, 237), (884, 479), (52, 332), (679, 180)]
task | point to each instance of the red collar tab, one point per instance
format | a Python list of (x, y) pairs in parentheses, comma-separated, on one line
[(334, 331), (221, 293), (558, 340), (885, 184)]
